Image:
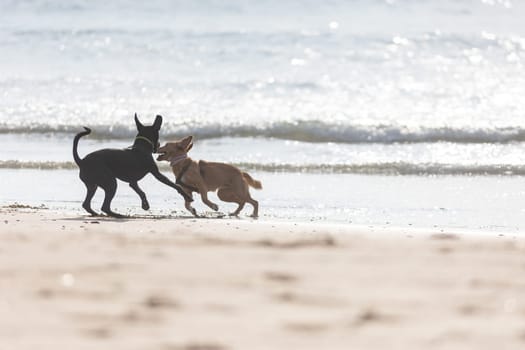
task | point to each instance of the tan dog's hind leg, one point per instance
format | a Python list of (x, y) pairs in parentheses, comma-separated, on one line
[(255, 205), (226, 195), (239, 208)]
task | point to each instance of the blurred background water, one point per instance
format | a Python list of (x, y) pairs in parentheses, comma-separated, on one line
[(318, 94)]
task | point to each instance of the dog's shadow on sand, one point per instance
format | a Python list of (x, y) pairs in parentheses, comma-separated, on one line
[(103, 218)]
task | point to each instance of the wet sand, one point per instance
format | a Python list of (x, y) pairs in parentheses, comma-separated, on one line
[(75, 282)]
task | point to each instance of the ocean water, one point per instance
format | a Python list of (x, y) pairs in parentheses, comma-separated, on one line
[(376, 112)]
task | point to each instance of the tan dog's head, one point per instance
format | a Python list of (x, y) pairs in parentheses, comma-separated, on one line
[(176, 148)]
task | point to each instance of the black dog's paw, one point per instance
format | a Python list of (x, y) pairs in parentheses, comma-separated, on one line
[(215, 207), (145, 205), (114, 215)]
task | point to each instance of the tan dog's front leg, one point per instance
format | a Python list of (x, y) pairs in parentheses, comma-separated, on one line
[(205, 200), (191, 209), (187, 204)]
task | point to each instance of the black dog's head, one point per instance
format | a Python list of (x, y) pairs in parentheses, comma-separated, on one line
[(149, 134)]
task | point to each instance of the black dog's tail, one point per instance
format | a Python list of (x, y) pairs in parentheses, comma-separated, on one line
[(75, 144)]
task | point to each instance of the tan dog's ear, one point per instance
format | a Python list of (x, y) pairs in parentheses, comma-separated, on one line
[(187, 143), (190, 145)]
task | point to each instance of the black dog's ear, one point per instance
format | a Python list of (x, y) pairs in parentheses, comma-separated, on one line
[(138, 123), (158, 122)]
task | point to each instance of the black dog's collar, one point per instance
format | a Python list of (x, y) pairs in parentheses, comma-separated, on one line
[(145, 139)]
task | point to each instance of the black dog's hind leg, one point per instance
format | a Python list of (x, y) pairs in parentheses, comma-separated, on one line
[(142, 195), (110, 188), (91, 189)]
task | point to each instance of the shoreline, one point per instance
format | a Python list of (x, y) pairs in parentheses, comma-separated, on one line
[(72, 281), (469, 204)]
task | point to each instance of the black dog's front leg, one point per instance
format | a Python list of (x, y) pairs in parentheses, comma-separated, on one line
[(142, 195), (167, 181)]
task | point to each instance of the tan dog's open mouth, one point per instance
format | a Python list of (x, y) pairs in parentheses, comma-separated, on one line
[(162, 153), (162, 156)]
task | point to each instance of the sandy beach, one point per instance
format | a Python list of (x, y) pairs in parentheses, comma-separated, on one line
[(75, 282)]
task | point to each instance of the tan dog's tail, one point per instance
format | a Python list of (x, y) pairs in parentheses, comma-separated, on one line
[(250, 181)]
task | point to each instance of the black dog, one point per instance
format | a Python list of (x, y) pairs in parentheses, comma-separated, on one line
[(102, 168)]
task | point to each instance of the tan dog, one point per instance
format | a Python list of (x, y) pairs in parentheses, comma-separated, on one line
[(203, 177)]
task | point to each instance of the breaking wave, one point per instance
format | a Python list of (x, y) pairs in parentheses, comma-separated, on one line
[(307, 131)]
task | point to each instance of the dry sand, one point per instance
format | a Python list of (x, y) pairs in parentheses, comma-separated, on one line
[(74, 282)]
